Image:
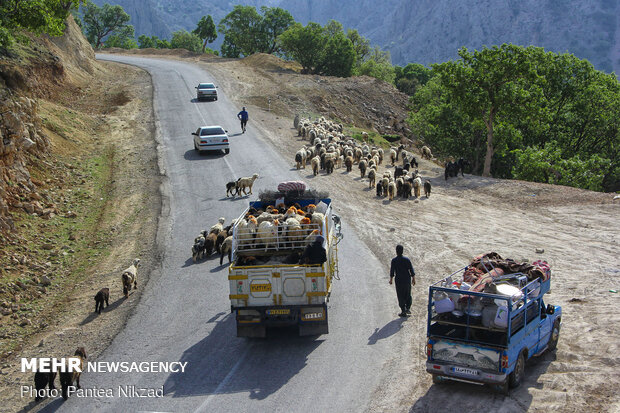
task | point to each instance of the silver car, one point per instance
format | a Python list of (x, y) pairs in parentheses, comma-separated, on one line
[(211, 138), (206, 91)]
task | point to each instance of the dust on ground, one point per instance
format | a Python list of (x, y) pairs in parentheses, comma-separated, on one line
[(465, 216), (127, 223)]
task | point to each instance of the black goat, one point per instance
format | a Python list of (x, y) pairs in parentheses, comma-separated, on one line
[(102, 296)]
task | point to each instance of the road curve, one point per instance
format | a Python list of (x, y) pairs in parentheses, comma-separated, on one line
[(184, 313)]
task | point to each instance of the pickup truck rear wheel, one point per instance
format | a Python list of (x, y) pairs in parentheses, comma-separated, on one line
[(516, 377), (555, 335)]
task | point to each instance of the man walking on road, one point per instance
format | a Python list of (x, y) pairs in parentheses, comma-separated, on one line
[(402, 269), (243, 117)]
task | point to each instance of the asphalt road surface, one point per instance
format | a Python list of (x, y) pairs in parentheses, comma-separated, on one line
[(184, 313)]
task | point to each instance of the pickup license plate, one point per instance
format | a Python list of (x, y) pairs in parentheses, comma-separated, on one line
[(463, 370), (282, 311)]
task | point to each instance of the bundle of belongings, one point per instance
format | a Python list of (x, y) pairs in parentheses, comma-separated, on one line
[(492, 274)]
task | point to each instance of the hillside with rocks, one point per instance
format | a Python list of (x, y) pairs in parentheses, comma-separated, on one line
[(426, 31)]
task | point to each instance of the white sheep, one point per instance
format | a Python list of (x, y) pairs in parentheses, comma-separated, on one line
[(391, 189), (267, 234), (393, 155), (130, 276), (417, 184), (217, 228), (300, 158), (245, 232), (426, 152), (226, 249), (246, 182), (316, 163)]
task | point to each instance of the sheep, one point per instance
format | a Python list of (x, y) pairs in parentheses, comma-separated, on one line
[(296, 121), (427, 188), (380, 153), (363, 165), (398, 171), (372, 176), (102, 296), (67, 378), (329, 166), (215, 229), (315, 165), (399, 186), (267, 234), (300, 158), (426, 152), (357, 155), (391, 190), (245, 232), (365, 136), (198, 248), (219, 240), (348, 162), (379, 188), (231, 188), (407, 187), (393, 155), (41, 380), (293, 231), (384, 185), (417, 183), (387, 174), (226, 249), (246, 182), (130, 276)]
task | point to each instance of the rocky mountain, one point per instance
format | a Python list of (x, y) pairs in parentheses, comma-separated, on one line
[(425, 31)]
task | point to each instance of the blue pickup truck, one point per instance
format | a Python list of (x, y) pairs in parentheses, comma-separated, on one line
[(486, 337)]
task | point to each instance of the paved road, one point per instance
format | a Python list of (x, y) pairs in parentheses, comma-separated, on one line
[(184, 310)]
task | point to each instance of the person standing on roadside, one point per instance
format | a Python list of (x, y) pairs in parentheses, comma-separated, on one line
[(402, 270), (243, 117)]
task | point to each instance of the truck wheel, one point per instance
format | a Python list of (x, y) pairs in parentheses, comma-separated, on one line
[(516, 377), (555, 335)]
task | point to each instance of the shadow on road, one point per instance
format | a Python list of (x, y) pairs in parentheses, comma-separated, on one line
[(257, 366), (386, 331), (235, 134), (452, 395), (193, 155), (110, 307)]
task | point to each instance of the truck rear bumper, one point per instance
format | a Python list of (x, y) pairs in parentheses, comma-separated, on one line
[(471, 375), (311, 319)]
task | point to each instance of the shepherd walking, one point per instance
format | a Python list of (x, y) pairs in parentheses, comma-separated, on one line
[(402, 270), (243, 117)]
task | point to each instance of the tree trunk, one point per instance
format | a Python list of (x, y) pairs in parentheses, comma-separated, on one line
[(490, 150), (204, 45)]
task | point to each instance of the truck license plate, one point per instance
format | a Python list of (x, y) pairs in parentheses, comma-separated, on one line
[(282, 311), (463, 370)]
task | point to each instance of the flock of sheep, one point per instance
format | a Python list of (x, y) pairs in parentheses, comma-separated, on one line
[(218, 238), (330, 149)]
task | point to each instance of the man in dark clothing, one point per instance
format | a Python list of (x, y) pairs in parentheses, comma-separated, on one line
[(402, 269), (314, 253), (243, 117)]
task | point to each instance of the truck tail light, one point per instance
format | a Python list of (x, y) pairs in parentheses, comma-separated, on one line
[(504, 362), (429, 350)]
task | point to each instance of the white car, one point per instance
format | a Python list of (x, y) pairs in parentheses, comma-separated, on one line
[(211, 138), (206, 91)]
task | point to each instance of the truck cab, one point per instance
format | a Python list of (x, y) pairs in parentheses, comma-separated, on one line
[(486, 337)]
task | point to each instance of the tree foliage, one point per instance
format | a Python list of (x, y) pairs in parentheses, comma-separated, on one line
[(320, 50), (553, 117), (36, 16), (123, 38), (100, 22), (377, 64), (206, 31), (182, 39), (247, 32)]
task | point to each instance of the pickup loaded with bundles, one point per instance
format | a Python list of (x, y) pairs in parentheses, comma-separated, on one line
[(486, 319), (269, 286)]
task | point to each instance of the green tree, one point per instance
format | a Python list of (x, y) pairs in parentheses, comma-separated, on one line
[(206, 31), (37, 16), (103, 21), (378, 65), (486, 84), (243, 31), (146, 42), (305, 45), (275, 22), (338, 56), (123, 38), (360, 44), (182, 39)]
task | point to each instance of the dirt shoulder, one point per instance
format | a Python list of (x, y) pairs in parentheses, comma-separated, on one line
[(577, 229), (104, 174)]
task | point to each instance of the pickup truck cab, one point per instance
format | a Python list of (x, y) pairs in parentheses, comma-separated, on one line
[(486, 338)]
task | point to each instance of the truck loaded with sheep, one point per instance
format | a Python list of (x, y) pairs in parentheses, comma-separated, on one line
[(269, 284)]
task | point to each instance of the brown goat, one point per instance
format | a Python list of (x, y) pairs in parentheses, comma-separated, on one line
[(67, 378)]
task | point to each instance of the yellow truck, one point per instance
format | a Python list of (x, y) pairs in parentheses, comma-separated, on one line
[(268, 286)]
